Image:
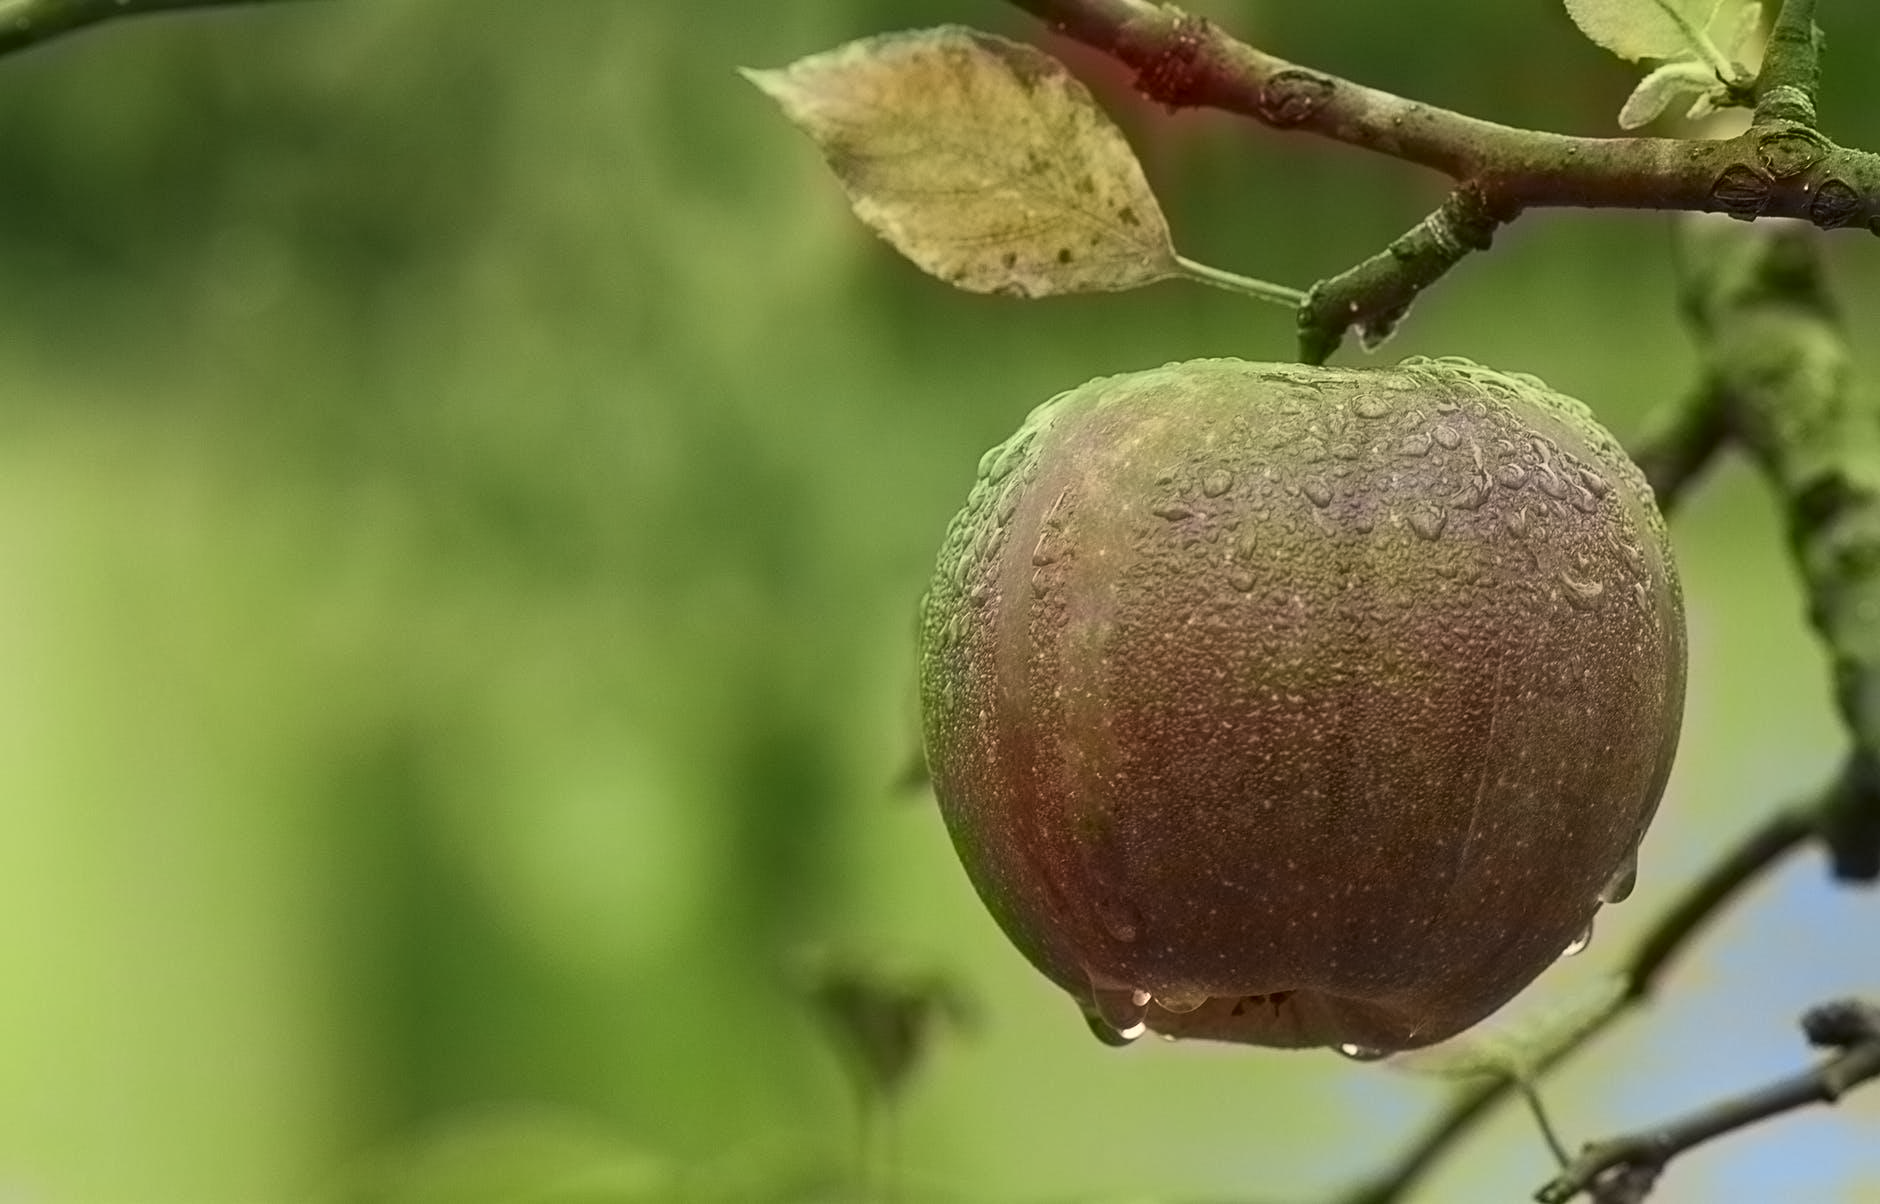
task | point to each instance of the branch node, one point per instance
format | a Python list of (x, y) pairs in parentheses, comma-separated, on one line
[(1742, 192), (1788, 149), (1841, 1023), (1294, 96), (1850, 818)]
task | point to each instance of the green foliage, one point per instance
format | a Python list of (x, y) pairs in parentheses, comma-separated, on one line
[(1657, 29), (1710, 50)]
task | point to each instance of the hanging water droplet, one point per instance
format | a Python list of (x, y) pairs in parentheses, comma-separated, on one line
[(1363, 1053), (1580, 942), (1319, 492), (1619, 887), (1180, 1001), (1101, 1030), (1120, 1009)]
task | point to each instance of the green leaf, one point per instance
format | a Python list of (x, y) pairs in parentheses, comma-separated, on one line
[(1664, 87), (882, 1019), (982, 160), (1649, 29)]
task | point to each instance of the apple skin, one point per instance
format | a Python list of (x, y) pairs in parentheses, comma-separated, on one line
[(1325, 706)]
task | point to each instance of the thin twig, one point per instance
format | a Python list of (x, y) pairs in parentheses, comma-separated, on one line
[(26, 23), (1620, 1169), (1780, 167), (1374, 295)]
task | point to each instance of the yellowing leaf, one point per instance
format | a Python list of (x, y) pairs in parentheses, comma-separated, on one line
[(1648, 29), (982, 160)]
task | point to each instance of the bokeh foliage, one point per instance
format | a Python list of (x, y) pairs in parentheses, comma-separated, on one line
[(464, 484)]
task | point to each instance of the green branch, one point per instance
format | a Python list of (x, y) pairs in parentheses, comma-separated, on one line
[(1785, 91), (1778, 364)]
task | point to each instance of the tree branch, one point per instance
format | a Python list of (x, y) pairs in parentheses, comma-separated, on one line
[(1777, 361), (1622, 1170), (1375, 295), (1680, 441), (1778, 168), (1785, 91), (26, 23), (1701, 905)]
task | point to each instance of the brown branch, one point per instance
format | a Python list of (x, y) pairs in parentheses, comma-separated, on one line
[(1779, 168), (26, 23), (1622, 1170)]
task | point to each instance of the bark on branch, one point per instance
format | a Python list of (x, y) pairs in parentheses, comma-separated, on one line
[(1780, 167)]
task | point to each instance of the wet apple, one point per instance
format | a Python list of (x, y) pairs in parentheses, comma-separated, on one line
[(1300, 706)]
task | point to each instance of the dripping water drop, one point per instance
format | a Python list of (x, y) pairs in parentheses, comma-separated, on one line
[(1362, 1053)]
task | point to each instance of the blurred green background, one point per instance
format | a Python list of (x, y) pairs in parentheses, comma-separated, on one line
[(464, 485)]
